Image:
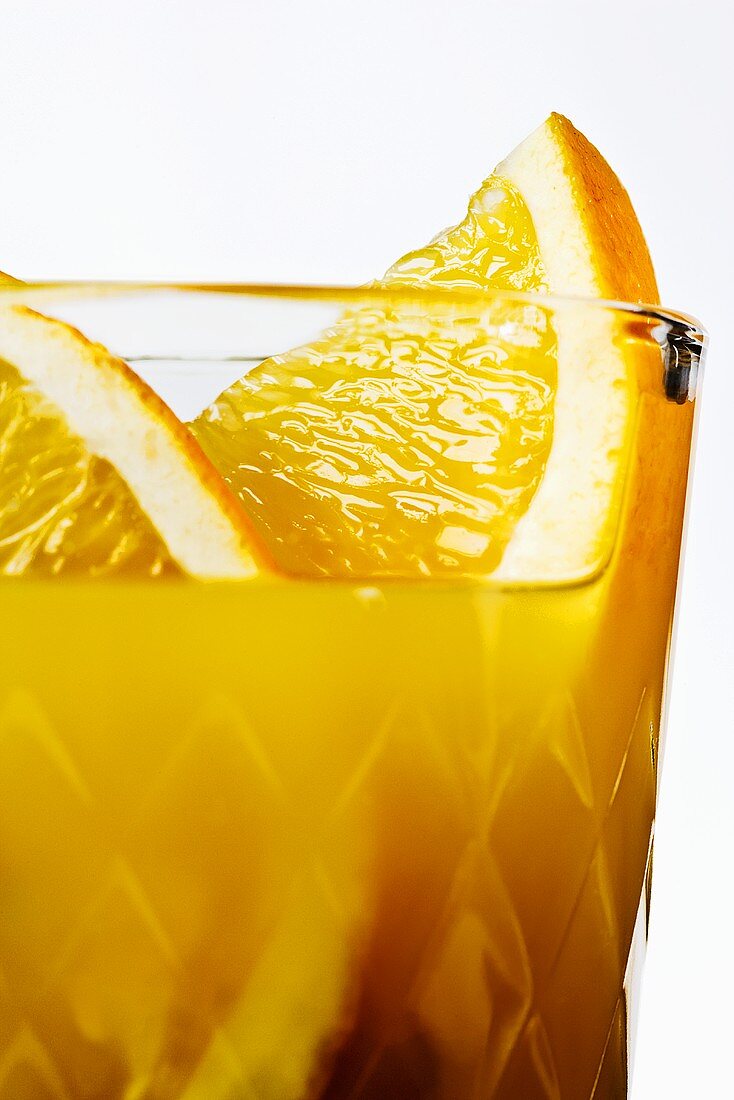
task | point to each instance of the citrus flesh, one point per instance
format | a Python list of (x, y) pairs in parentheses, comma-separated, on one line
[(99, 477), (400, 443), (408, 442)]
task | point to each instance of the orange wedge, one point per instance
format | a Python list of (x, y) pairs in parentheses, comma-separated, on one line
[(98, 475), (394, 446)]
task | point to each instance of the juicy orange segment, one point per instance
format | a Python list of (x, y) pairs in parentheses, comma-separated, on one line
[(390, 446)]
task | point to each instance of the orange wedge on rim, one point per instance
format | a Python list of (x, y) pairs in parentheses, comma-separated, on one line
[(390, 447)]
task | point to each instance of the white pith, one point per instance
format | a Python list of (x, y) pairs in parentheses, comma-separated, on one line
[(563, 535)]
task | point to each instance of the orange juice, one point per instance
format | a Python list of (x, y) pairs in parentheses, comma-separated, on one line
[(331, 838)]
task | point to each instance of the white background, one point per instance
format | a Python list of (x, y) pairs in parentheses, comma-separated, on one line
[(272, 140)]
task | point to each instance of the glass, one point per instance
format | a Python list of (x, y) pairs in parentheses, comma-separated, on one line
[(357, 836)]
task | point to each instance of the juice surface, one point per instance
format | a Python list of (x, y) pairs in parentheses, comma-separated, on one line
[(309, 839)]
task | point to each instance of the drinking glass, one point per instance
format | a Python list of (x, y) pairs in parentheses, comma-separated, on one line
[(367, 835)]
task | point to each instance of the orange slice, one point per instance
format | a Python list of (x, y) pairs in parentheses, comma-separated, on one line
[(98, 475), (399, 445)]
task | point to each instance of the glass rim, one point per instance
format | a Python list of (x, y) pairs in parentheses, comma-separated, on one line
[(680, 337), (677, 321)]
